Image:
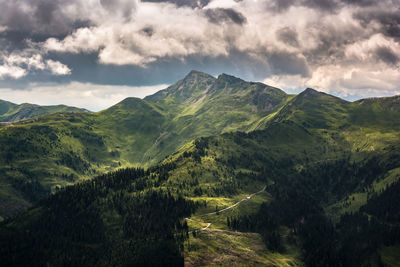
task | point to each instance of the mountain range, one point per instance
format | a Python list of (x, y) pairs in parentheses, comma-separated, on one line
[(134, 132), (330, 169), (10, 112)]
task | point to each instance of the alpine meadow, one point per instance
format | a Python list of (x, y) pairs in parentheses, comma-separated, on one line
[(127, 137)]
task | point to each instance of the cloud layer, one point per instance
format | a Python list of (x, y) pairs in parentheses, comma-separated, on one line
[(347, 47)]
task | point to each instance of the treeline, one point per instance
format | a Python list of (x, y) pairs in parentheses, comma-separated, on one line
[(385, 206), (101, 222), (297, 205)]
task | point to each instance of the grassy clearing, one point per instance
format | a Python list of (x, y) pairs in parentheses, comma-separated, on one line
[(353, 202), (218, 246), (228, 248), (219, 221), (390, 256)]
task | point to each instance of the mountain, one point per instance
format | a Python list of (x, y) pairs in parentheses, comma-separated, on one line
[(10, 112), (51, 151), (315, 185), (201, 105)]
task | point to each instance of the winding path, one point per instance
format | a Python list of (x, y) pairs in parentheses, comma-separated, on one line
[(227, 208)]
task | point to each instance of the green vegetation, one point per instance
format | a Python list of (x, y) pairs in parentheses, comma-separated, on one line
[(390, 256), (107, 221), (330, 168), (10, 112), (43, 154)]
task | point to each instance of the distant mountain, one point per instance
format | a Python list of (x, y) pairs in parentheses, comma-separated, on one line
[(10, 112)]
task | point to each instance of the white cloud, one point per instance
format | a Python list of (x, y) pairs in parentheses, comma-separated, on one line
[(347, 82), (57, 67), (18, 65), (11, 71), (85, 95), (335, 50), (127, 43)]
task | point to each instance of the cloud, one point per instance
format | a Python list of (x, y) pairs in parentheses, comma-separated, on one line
[(17, 65), (57, 67), (220, 15), (326, 44), (360, 2), (180, 3), (387, 55), (288, 36), (384, 19), (11, 71)]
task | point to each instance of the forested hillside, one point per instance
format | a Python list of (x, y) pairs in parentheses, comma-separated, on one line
[(48, 152)]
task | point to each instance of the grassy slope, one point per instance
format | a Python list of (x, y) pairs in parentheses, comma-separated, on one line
[(52, 151), (201, 105), (361, 128), (220, 170), (44, 153), (11, 112), (314, 128)]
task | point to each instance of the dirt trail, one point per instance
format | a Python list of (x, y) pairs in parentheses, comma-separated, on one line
[(227, 208)]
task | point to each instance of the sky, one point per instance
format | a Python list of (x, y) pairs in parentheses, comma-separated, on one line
[(94, 53)]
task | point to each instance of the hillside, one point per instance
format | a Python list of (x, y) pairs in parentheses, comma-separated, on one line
[(201, 105), (10, 112), (42, 154), (319, 158)]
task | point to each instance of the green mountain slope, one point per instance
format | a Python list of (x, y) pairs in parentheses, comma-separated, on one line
[(10, 112), (313, 156), (201, 105), (41, 154)]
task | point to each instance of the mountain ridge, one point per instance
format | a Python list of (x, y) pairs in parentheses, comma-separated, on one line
[(10, 112), (139, 132), (331, 169)]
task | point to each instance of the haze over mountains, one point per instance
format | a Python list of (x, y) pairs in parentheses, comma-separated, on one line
[(207, 140), (10, 112)]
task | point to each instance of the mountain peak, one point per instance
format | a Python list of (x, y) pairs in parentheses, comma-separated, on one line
[(229, 78), (197, 75), (185, 88), (311, 92)]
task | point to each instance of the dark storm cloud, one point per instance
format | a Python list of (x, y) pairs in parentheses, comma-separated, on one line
[(359, 2), (387, 55), (218, 15), (288, 63), (325, 5), (42, 20), (118, 44), (288, 36), (148, 31), (332, 41), (42, 16), (116, 5), (282, 5), (179, 3), (388, 19)]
